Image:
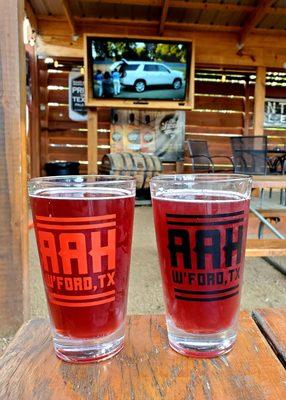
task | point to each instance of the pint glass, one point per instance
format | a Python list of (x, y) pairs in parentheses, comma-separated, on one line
[(83, 226), (201, 227)]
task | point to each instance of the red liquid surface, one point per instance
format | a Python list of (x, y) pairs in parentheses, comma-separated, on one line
[(202, 286), (84, 243)]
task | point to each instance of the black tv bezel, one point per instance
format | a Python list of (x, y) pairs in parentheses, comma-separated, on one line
[(138, 99)]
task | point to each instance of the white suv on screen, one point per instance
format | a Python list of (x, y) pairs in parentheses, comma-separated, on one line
[(140, 74)]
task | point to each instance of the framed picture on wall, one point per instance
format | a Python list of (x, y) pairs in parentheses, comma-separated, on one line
[(157, 133)]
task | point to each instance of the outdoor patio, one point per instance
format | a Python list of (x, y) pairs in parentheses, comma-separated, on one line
[(107, 104)]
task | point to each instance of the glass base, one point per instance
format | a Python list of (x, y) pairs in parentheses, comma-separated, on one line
[(200, 345), (88, 350)]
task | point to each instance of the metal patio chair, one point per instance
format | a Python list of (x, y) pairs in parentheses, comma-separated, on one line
[(250, 155), (202, 160)]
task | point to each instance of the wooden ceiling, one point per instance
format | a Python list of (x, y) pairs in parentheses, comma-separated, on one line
[(242, 17)]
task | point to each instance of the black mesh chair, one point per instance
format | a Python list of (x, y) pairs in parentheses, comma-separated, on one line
[(201, 158), (250, 155)]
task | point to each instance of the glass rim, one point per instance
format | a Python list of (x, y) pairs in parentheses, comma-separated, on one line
[(201, 178), (63, 178), (106, 183)]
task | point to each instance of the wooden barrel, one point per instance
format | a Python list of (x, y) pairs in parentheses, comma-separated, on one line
[(140, 165)]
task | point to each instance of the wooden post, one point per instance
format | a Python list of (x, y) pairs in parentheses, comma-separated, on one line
[(179, 167), (259, 100), (43, 113), (13, 167), (92, 126), (246, 108), (34, 125)]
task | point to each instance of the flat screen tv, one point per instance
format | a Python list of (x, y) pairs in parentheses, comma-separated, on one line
[(138, 71)]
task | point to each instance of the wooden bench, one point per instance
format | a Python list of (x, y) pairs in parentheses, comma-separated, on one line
[(146, 369)]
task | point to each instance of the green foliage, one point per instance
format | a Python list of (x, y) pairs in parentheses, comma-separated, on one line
[(139, 51)]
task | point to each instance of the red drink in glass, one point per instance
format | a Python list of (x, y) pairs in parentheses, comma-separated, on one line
[(84, 240), (201, 239)]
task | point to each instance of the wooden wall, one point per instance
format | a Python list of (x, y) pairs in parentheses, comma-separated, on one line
[(224, 107), (14, 280)]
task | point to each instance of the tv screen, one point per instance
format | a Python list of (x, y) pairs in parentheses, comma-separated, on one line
[(137, 69)]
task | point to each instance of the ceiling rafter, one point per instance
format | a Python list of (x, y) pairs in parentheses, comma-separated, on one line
[(253, 20), (30, 13), (82, 22), (194, 5), (164, 15), (69, 16)]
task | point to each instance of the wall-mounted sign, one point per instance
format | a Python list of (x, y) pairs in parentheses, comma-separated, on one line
[(77, 110), (157, 133), (275, 113)]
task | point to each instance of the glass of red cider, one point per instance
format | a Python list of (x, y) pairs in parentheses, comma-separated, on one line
[(83, 226), (201, 227)]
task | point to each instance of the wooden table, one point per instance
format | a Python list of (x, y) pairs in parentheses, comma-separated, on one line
[(269, 182), (272, 323), (146, 369)]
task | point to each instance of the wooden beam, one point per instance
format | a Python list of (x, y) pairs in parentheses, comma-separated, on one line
[(223, 7), (164, 16), (13, 167), (34, 115), (246, 103), (259, 99), (90, 24), (154, 3), (30, 13), (254, 19), (217, 48), (69, 16), (92, 126)]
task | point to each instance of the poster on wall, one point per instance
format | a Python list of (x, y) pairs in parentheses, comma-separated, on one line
[(77, 110), (275, 113), (158, 133)]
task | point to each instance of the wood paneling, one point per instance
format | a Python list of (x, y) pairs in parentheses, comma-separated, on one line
[(58, 96), (55, 79), (13, 166), (219, 103), (206, 122), (220, 88), (196, 118)]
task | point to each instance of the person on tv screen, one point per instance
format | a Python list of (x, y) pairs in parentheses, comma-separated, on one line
[(98, 80), (107, 85), (116, 82)]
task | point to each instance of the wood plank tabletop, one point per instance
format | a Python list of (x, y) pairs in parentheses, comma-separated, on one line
[(265, 247), (269, 181), (272, 322), (146, 369)]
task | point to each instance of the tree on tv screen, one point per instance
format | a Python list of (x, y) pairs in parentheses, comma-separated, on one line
[(141, 51)]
